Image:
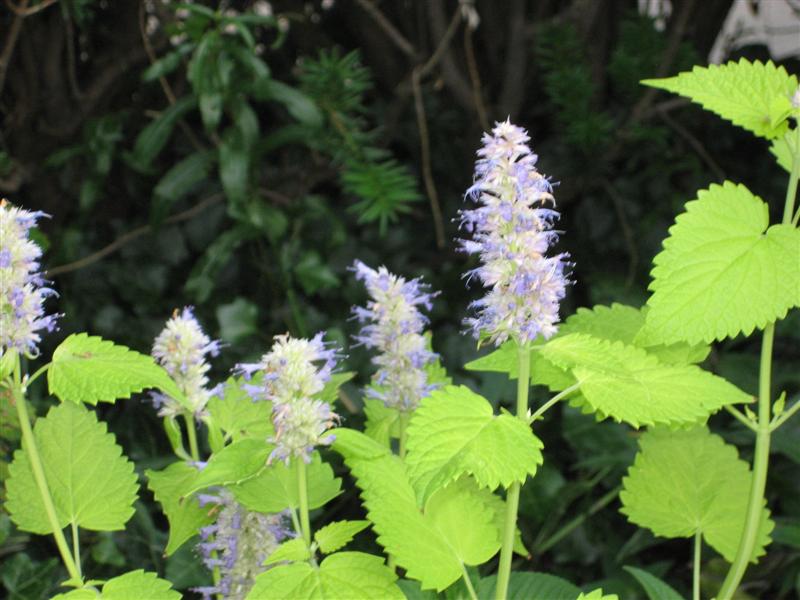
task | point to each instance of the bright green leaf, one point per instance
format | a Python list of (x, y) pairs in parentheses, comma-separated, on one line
[(291, 550), (627, 384), (238, 416), (89, 369), (340, 575), (171, 488), (782, 152), (742, 92), (137, 585), (383, 422), (687, 481), (597, 595), (335, 535), (720, 274), (275, 488), (233, 464), (529, 585), (653, 586), (92, 484), (330, 392), (455, 431)]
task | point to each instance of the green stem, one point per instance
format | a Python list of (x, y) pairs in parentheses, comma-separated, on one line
[(560, 396), (741, 418), (785, 416), (404, 418), (760, 466), (76, 548), (791, 189), (191, 432), (302, 488), (698, 547), (512, 498), (468, 582), (32, 451), (39, 372)]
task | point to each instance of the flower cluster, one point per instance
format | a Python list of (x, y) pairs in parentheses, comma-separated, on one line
[(22, 289), (238, 543), (292, 376), (511, 232), (181, 348), (393, 325)]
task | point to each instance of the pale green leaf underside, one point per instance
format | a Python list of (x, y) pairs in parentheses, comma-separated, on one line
[(336, 535), (688, 481), (171, 488), (233, 464), (92, 484), (628, 384), (743, 93), (455, 431), (719, 274), (424, 544), (89, 369), (135, 585), (274, 488), (340, 575)]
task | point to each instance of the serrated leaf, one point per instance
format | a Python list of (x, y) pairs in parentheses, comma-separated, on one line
[(92, 484), (89, 369), (337, 534), (687, 481), (290, 550), (626, 383), (233, 464), (742, 93), (653, 586), (722, 271), (137, 585), (340, 575), (275, 488), (418, 541), (455, 431), (597, 595), (782, 152), (171, 488), (530, 586), (383, 422), (238, 416)]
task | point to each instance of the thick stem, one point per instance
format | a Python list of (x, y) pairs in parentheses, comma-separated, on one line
[(191, 433), (760, 466), (512, 498), (698, 546), (32, 451), (302, 488)]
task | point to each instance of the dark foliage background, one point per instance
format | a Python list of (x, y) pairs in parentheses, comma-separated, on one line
[(240, 161)]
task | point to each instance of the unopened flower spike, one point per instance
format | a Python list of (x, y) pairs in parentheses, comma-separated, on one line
[(394, 325), (511, 232), (295, 371), (22, 288), (237, 544), (181, 348)]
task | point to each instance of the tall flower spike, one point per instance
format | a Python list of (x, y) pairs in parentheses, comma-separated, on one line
[(393, 325), (238, 543), (511, 232), (292, 376), (22, 289), (181, 348)]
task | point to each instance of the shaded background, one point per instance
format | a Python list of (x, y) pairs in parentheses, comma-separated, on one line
[(240, 160)]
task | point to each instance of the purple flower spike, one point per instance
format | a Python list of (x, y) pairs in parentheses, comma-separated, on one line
[(393, 325), (22, 290), (511, 232)]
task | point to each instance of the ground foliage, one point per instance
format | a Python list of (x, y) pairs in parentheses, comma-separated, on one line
[(242, 169)]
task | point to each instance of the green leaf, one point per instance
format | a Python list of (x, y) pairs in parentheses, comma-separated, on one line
[(92, 484), (597, 595), (340, 575), (627, 384), (653, 586), (291, 550), (722, 270), (455, 431), (233, 464), (275, 488), (171, 488), (153, 138), (137, 585), (300, 106), (742, 93), (330, 392), (234, 166), (430, 546), (238, 416), (176, 183), (166, 64), (238, 320), (782, 152), (530, 586), (383, 422), (687, 481), (89, 369), (337, 534)]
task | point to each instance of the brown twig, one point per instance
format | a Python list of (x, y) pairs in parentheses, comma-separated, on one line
[(23, 10), (394, 34), (11, 42), (132, 235), (475, 79)]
